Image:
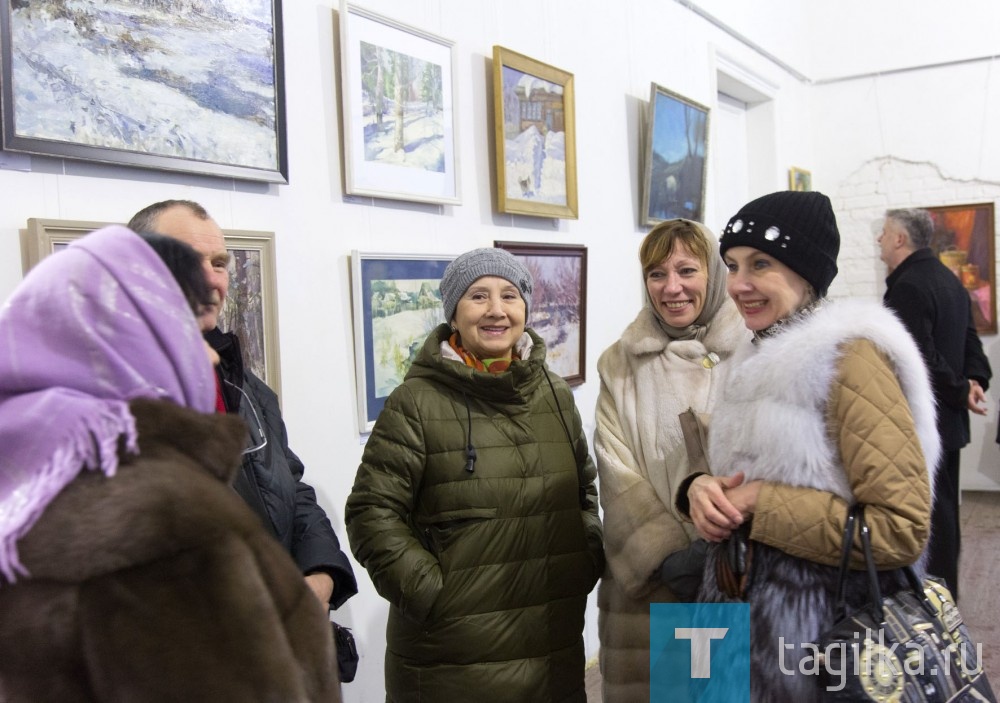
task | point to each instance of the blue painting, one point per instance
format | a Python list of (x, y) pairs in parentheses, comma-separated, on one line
[(675, 166), (195, 81), (397, 304)]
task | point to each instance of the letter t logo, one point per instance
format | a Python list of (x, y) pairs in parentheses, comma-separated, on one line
[(701, 647)]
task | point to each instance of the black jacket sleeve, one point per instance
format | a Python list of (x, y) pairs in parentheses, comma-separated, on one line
[(314, 547)]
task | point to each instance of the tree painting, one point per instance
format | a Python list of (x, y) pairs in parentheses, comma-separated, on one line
[(676, 181), (556, 309), (402, 109), (243, 310)]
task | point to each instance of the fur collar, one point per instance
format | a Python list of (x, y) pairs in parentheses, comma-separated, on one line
[(777, 389), (645, 335)]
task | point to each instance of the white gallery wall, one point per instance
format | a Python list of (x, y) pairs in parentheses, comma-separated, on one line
[(941, 120)]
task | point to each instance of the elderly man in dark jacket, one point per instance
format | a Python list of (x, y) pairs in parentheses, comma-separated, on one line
[(270, 479), (936, 309)]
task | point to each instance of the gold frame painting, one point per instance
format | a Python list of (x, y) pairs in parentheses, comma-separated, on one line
[(799, 179), (534, 125)]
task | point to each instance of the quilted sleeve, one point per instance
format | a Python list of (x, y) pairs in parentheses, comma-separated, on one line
[(873, 429), (378, 510)]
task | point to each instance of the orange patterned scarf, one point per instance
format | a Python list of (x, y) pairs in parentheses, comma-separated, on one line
[(493, 366)]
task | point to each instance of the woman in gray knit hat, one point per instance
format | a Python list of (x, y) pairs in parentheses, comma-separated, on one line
[(474, 508), (828, 406)]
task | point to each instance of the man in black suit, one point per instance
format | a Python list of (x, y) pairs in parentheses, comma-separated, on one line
[(937, 310)]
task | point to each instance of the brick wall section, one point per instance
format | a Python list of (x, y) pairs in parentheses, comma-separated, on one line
[(884, 183)]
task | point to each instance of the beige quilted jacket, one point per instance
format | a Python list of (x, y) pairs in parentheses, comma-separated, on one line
[(872, 427)]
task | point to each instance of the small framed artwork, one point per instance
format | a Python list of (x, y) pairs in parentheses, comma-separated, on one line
[(135, 85), (676, 165), (535, 126), (963, 241), (397, 302), (399, 127), (250, 308), (558, 303), (799, 179)]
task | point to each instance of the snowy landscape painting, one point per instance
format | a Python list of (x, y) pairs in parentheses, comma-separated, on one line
[(398, 110), (191, 86), (397, 302), (558, 303), (677, 141), (535, 138), (402, 107)]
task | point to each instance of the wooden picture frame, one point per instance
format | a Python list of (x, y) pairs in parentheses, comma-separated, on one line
[(397, 303), (676, 158), (535, 131), (799, 179), (151, 89), (400, 145), (964, 241), (251, 306), (558, 303)]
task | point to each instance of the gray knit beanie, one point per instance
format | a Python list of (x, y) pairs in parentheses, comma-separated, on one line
[(473, 265)]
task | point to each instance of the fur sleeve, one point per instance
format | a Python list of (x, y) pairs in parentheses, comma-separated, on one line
[(639, 530)]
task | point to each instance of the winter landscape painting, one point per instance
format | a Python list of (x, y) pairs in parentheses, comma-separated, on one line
[(402, 109), (399, 135), (558, 303), (189, 86), (535, 136), (250, 309), (676, 146), (397, 302)]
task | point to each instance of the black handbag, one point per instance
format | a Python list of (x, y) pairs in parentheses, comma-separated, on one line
[(911, 646), (347, 652)]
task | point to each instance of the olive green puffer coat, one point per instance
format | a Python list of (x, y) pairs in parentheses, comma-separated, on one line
[(487, 571)]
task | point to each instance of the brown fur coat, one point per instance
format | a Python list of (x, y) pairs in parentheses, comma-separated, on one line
[(159, 584)]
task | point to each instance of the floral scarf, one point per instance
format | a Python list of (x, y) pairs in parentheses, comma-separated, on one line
[(493, 366)]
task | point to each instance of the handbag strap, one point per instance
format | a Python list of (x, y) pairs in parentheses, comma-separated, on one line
[(856, 516), (847, 545)]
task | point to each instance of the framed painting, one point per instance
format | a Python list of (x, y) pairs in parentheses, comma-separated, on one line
[(250, 309), (675, 158), (558, 303), (799, 179), (398, 112), (535, 128), (963, 241), (147, 84), (397, 302)]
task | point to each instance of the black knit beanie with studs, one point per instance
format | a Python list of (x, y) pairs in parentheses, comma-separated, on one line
[(797, 228)]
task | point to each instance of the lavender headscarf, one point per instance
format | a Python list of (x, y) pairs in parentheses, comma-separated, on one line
[(89, 329)]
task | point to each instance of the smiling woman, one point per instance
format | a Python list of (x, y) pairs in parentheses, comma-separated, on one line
[(828, 407), (466, 483), (666, 362)]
